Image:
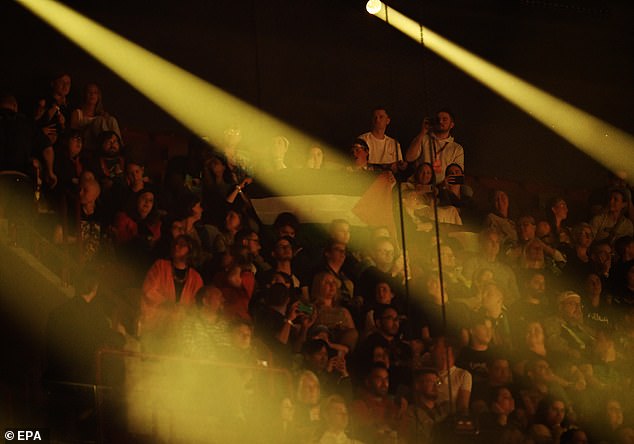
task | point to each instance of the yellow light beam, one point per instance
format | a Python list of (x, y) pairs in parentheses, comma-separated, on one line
[(202, 107), (606, 143)]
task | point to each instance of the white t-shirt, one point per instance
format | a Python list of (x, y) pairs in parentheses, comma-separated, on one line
[(382, 151)]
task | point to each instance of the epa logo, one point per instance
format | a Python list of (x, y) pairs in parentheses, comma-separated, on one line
[(23, 435)]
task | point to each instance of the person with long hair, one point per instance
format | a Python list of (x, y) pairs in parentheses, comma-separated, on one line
[(325, 295), (91, 118)]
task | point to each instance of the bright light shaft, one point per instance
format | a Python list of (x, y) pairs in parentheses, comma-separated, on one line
[(607, 144), (200, 106)]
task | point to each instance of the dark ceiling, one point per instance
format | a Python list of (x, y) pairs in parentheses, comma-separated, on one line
[(323, 64)]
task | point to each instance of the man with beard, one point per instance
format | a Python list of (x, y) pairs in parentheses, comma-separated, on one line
[(426, 411)]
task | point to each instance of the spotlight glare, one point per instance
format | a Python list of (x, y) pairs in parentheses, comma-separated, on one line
[(373, 6), (578, 127)]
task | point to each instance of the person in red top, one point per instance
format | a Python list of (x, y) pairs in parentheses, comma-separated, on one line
[(170, 284), (140, 220)]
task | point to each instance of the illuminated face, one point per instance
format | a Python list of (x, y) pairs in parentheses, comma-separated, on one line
[(500, 372), (427, 386), (340, 232), (308, 391), (241, 337), (389, 323), (61, 85), (537, 284), (492, 299), (318, 360), (454, 170), (232, 221), (384, 293), (560, 209), (526, 228), (614, 413), (359, 153), (74, 146), (93, 95), (134, 173), (378, 382), (328, 287), (337, 416), (570, 309), (556, 413), (315, 158), (505, 401), (445, 122), (380, 354), (534, 333), (584, 238), (286, 230), (491, 245), (383, 254), (111, 145), (181, 249), (380, 119), (144, 204), (501, 202), (177, 229), (425, 175), (283, 250), (482, 333)]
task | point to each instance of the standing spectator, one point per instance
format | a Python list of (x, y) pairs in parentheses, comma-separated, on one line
[(434, 144), (384, 150)]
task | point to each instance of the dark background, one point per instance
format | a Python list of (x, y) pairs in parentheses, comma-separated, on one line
[(322, 65)]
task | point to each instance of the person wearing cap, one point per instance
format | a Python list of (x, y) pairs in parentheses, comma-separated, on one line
[(566, 336), (612, 223)]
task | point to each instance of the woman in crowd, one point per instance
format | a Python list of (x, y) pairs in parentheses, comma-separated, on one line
[(91, 119), (325, 295)]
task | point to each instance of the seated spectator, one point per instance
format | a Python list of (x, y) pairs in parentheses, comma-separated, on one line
[(326, 297), (314, 158), (551, 413), (308, 408), (453, 192), (556, 216), (170, 283), (578, 255), (248, 243), (203, 331), (335, 418), (224, 240), (598, 312), (91, 119), (498, 418), (328, 365), (566, 336), (442, 355), (136, 232), (499, 219), (237, 284), (426, 410), (494, 308), (533, 306), (388, 336), (383, 295), (282, 254), (360, 153), (375, 415), (434, 313), (488, 258), (385, 267), (476, 356), (613, 222)]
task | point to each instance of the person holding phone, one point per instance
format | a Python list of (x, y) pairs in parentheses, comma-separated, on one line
[(435, 144)]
